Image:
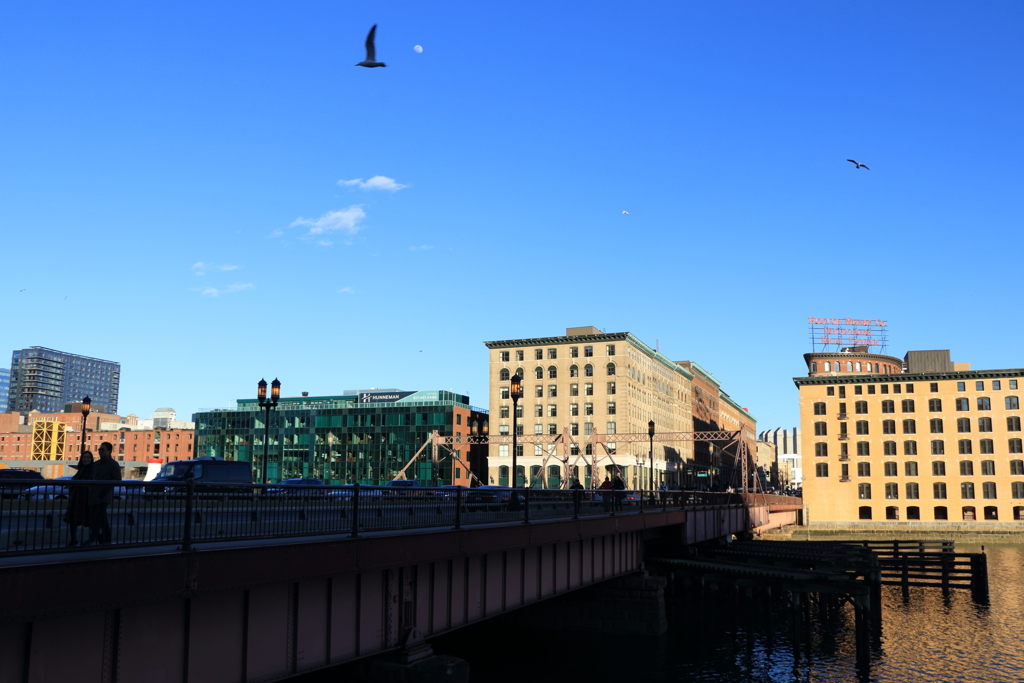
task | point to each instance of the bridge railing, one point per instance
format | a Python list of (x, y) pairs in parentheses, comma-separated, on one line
[(71, 516)]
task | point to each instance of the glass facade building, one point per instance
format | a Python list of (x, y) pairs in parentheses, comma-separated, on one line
[(364, 436), (5, 387), (45, 379)]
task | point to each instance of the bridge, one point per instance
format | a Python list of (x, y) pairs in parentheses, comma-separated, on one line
[(249, 583)]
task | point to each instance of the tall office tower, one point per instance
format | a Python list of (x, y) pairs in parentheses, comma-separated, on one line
[(44, 379), (5, 387)]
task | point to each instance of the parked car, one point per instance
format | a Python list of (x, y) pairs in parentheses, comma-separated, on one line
[(47, 491), (451, 491), (490, 495), (14, 481), (403, 487), (203, 471), (298, 487), (347, 491)]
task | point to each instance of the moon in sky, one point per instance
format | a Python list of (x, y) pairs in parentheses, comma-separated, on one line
[(418, 48)]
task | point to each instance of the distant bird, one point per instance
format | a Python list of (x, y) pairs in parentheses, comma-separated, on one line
[(21, 290), (625, 213), (857, 164), (371, 51)]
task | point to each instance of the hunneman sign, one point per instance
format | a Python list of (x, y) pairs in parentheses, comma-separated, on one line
[(843, 332)]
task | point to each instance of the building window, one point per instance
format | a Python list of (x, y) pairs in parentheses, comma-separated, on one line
[(910, 469), (963, 405), (863, 469), (588, 408), (538, 410), (821, 469), (860, 407), (909, 448), (842, 392), (611, 369), (574, 429), (964, 446), (503, 392), (503, 411), (552, 390), (984, 424), (987, 446), (538, 354), (935, 405), (574, 352), (830, 391), (588, 351), (864, 491), (889, 469), (552, 429), (896, 388), (858, 390), (871, 387), (588, 389), (849, 366), (864, 512), (857, 365), (935, 425), (961, 386), (979, 386), (967, 490), (938, 468), (504, 356), (610, 348), (863, 448), (939, 490), (574, 409), (588, 370), (884, 388), (1017, 467), (611, 407), (889, 448), (888, 426), (610, 428), (1013, 424), (996, 385), (574, 389), (574, 371), (909, 427), (520, 355), (862, 427), (966, 468), (538, 373), (892, 491), (611, 388), (963, 425), (913, 490), (821, 450), (819, 408), (539, 391), (888, 406), (552, 372), (1016, 446), (934, 387), (988, 468), (814, 366), (552, 354), (938, 448), (503, 376), (907, 405), (1017, 490), (552, 410), (984, 403), (821, 429), (503, 429), (1012, 403), (1013, 384)]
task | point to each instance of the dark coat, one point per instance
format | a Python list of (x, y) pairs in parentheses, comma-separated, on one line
[(104, 469), (78, 498)]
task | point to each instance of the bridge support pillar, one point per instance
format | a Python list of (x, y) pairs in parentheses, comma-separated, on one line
[(416, 663)]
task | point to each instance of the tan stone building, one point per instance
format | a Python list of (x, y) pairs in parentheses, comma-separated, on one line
[(919, 439), (582, 390)]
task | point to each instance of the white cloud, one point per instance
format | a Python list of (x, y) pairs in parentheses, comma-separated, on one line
[(325, 243), (345, 221), (230, 289), (228, 267), (422, 247), (346, 290), (200, 268), (377, 182)]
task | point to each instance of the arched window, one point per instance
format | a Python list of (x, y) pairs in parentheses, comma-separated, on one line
[(814, 366), (1017, 490), (588, 370), (574, 371), (1017, 467), (864, 512), (858, 366), (941, 512), (892, 512), (828, 366), (539, 373), (503, 375), (876, 368), (864, 491), (552, 372), (849, 366), (968, 512), (913, 512), (611, 369)]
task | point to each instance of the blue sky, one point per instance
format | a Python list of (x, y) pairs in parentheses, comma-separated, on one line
[(173, 170)]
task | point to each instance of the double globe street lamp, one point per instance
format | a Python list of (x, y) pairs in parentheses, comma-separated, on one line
[(275, 395)]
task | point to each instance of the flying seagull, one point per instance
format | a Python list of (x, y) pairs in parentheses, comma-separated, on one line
[(625, 213), (857, 164), (371, 51)]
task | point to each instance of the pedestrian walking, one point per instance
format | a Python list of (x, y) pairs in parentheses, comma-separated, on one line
[(102, 495), (77, 513), (620, 491), (606, 494)]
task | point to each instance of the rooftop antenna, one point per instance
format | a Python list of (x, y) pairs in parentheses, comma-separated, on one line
[(657, 345)]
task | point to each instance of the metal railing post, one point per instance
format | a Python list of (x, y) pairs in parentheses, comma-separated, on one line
[(355, 511), (458, 508), (641, 497), (526, 505), (186, 538)]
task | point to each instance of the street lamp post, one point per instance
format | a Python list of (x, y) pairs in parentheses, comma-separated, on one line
[(86, 405), (516, 393), (261, 394), (650, 433)]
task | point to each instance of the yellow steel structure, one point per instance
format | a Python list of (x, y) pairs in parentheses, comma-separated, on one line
[(49, 439)]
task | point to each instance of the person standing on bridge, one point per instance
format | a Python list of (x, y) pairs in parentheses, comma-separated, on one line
[(620, 491), (78, 499), (100, 496)]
